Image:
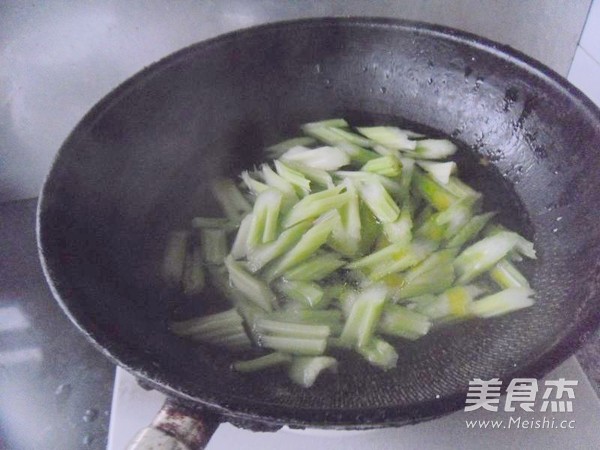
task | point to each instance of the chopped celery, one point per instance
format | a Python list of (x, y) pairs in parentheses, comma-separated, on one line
[(390, 137), (346, 235), (388, 166), (261, 255), (193, 273), (276, 181), (432, 282), (416, 252), (431, 229), (265, 218), (254, 186), (453, 302), (392, 185), (214, 245), (336, 123), (470, 230), (306, 293), (297, 179), (290, 329), (319, 177), (440, 171), (379, 353), (232, 201), (483, 255), (278, 149), (229, 319), (332, 318), (253, 288), (316, 204), (431, 191), (370, 229), (262, 362), (456, 217), (408, 168), (364, 315), (294, 345), (506, 275), (352, 138), (433, 262), (239, 249), (460, 189), (174, 257), (393, 251), (502, 302), (400, 321), (315, 268), (433, 149), (378, 200), (399, 230), (305, 370), (356, 153)]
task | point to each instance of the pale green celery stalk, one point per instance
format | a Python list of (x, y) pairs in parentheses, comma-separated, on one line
[(420, 300), (265, 216), (253, 288), (432, 262), (333, 137), (296, 178), (454, 302), (305, 370), (439, 171), (261, 255), (418, 250), (379, 201), (431, 229), (400, 230), (424, 214), (315, 268), (310, 242), (433, 149), (392, 252), (319, 177), (390, 137), (364, 316), (346, 302), (213, 222), (459, 189), (174, 257), (432, 282), (502, 302), (294, 345), (336, 123), (193, 272), (408, 168), (392, 185), (352, 138), (239, 249), (306, 293), (229, 319), (506, 275), (263, 362), (315, 205), (214, 245), (470, 230), (254, 186), (275, 151), (329, 317), (388, 166), (400, 321), (357, 154), (272, 179), (433, 192), (386, 151), (370, 228), (290, 329), (483, 255), (524, 247), (379, 353), (232, 201), (346, 235), (456, 217)]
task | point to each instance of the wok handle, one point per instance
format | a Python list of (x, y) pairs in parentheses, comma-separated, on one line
[(176, 427)]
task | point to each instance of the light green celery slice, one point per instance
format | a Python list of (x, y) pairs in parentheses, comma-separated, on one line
[(424, 214), (440, 171), (388, 166), (378, 200), (364, 316), (297, 179), (262, 362), (483, 255), (433, 149), (379, 353), (261, 255), (392, 185), (290, 329), (459, 189), (417, 251), (454, 302), (431, 229), (174, 257), (400, 321), (305, 370), (336, 123), (319, 177), (310, 242), (470, 230), (352, 138), (239, 249), (265, 217), (294, 345), (346, 235), (506, 275), (433, 192), (400, 230), (214, 245), (334, 137), (502, 302), (408, 168), (370, 228), (346, 302), (274, 180), (331, 318), (356, 153), (432, 282), (524, 247), (456, 217), (193, 272), (253, 288), (391, 137), (306, 293), (232, 201), (315, 205), (275, 151), (432, 262), (255, 186), (393, 251), (315, 268), (229, 319)]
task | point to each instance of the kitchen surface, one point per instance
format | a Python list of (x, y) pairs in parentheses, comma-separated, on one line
[(58, 58)]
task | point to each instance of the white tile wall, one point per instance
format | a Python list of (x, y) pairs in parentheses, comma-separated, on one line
[(585, 69)]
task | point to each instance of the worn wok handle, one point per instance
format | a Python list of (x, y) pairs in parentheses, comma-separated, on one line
[(176, 427)]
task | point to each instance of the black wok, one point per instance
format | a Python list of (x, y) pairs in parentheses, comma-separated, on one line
[(141, 161)]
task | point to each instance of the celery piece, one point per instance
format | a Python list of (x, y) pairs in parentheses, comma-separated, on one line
[(408, 168), (290, 329), (391, 137), (346, 302), (252, 287), (346, 235), (356, 153), (254, 186), (306, 293), (439, 171), (239, 249), (456, 217), (229, 319), (459, 189), (379, 353), (378, 200), (305, 370), (431, 191), (263, 362), (297, 179), (364, 315), (352, 138), (276, 150), (470, 230), (214, 245), (343, 140), (525, 248), (506, 275), (260, 255), (370, 228), (265, 217), (174, 257), (315, 205), (330, 317), (502, 302), (432, 262), (193, 272), (393, 251), (335, 123), (432, 282), (294, 345), (274, 180), (416, 252), (400, 321), (483, 255), (386, 151), (318, 176), (454, 302), (399, 230), (315, 268), (431, 229), (309, 243), (433, 149), (232, 201), (392, 185), (388, 166)]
